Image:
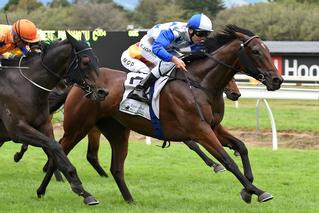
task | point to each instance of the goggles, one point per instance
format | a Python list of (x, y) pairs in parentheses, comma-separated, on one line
[(201, 33)]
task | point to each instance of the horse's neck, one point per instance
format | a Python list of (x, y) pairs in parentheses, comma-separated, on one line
[(56, 60), (215, 75)]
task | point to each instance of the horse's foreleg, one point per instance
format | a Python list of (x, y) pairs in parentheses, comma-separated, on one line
[(18, 155), (93, 149), (26, 134), (206, 137), (232, 142), (117, 136), (47, 129), (46, 180), (209, 162)]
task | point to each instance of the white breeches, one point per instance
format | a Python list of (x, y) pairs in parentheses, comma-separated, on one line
[(133, 64)]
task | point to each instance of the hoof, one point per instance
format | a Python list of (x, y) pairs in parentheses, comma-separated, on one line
[(90, 200), (245, 196), (130, 201), (265, 197), (40, 194), (219, 168), (17, 157)]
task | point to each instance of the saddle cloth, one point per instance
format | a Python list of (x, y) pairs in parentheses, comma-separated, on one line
[(135, 107)]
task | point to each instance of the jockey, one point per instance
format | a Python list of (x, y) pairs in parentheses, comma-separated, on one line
[(162, 44), (18, 36)]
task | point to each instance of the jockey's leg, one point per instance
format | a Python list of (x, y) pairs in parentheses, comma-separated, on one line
[(133, 64), (139, 93)]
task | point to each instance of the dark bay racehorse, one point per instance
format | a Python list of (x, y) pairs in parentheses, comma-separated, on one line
[(237, 49), (57, 98), (24, 99), (232, 92)]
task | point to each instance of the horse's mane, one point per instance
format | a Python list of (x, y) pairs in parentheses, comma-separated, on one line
[(224, 36), (45, 46)]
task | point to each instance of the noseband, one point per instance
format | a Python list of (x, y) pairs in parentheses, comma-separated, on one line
[(244, 60)]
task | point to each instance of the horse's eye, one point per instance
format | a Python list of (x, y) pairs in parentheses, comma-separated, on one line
[(255, 52)]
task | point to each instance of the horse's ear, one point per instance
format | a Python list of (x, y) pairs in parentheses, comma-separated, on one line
[(83, 37), (71, 39)]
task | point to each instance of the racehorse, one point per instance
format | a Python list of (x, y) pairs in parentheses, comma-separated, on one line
[(57, 98), (25, 85), (232, 92), (232, 50)]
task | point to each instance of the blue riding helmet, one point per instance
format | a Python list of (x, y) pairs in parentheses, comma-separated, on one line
[(200, 22)]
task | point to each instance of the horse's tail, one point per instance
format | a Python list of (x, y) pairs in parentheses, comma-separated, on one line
[(56, 100)]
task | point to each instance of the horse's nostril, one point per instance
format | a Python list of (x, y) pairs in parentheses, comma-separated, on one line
[(238, 94), (277, 80), (235, 95)]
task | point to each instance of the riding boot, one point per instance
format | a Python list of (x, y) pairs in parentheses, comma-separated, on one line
[(139, 93)]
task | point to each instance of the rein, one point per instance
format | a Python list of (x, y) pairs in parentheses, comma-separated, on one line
[(243, 58), (199, 111), (73, 65), (13, 67), (32, 82)]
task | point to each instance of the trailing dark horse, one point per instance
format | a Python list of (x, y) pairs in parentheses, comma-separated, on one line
[(24, 99), (232, 50), (56, 99)]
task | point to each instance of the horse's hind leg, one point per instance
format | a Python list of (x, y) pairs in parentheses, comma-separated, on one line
[(117, 136), (93, 149), (18, 155), (209, 162)]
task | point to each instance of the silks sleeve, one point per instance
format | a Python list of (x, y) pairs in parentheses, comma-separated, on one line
[(164, 39)]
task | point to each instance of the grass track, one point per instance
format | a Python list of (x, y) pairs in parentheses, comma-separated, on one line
[(290, 115), (170, 180)]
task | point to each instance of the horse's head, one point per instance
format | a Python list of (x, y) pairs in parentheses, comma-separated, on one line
[(83, 69), (240, 50), (231, 90), (255, 61)]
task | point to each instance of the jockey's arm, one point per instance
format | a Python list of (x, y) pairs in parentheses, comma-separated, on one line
[(164, 39), (24, 50)]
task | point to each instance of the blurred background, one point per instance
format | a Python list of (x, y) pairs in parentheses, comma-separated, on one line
[(272, 20)]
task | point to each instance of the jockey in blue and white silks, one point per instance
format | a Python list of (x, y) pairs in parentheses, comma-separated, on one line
[(162, 44)]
